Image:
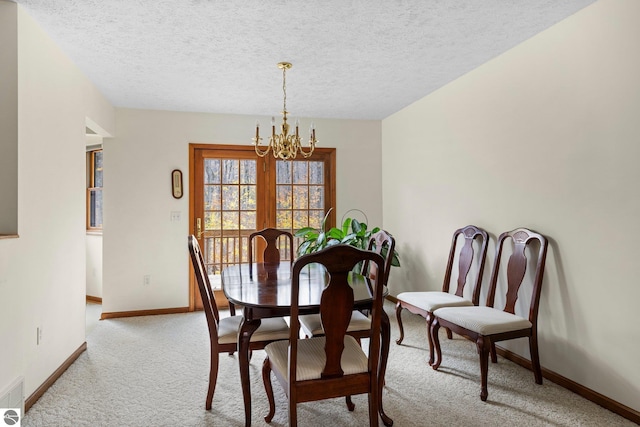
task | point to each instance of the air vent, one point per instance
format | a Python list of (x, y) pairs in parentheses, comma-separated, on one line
[(12, 397)]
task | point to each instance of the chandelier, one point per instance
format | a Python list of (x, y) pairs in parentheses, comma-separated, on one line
[(284, 146)]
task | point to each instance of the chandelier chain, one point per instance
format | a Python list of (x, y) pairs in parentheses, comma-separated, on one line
[(284, 88)]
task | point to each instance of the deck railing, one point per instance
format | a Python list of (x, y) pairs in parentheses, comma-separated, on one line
[(222, 249)]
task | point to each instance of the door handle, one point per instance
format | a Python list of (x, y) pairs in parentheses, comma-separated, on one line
[(198, 228)]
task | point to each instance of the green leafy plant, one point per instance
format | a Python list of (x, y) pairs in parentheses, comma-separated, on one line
[(352, 232)]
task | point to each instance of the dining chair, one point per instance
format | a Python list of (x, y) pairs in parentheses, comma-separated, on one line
[(271, 253), (487, 325), (334, 364), (223, 332), (424, 303), (360, 325)]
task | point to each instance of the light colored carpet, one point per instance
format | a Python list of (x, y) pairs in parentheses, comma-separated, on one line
[(153, 370)]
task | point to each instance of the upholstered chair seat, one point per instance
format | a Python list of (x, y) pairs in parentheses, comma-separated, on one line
[(433, 300), (312, 358), (311, 325), (483, 320), (270, 329)]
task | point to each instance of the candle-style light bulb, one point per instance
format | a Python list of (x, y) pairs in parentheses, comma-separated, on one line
[(257, 131)]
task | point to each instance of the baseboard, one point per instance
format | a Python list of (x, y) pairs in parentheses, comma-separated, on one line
[(587, 393), (96, 300), (116, 314), (53, 377)]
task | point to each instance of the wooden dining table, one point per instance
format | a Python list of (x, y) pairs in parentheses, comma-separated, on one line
[(264, 290)]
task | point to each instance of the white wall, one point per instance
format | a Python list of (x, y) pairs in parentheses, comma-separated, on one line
[(42, 273), (139, 238), (545, 136)]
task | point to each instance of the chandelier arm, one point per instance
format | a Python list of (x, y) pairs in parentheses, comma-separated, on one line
[(262, 153), (258, 151), (307, 154)]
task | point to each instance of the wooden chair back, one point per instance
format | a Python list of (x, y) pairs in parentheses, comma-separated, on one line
[(471, 233), (384, 244), (271, 236), (206, 292), (337, 304), (521, 238)]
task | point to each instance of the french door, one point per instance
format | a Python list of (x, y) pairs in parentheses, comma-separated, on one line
[(233, 193)]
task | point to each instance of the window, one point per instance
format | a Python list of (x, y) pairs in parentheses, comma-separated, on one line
[(94, 190)]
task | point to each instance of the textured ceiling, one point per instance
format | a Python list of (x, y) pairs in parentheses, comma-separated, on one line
[(356, 59)]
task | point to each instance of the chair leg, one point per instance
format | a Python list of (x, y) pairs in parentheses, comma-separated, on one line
[(213, 378), (400, 327), (232, 312), (535, 358), (494, 355), (266, 379), (435, 327), (385, 343), (484, 347), (293, 413), (429, 338), (350, 405), (449, 333), (373, 409)]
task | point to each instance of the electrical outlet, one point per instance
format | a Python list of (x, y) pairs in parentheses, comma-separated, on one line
[(146, 280), (175, 216)]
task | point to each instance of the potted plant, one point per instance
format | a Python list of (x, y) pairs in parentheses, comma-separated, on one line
[(352, 232)]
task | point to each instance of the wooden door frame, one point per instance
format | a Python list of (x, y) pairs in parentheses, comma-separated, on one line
[(329, 156), (193, 147)]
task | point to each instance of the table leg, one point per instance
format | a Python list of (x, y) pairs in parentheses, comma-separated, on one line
[(247, 328), (385, 332)]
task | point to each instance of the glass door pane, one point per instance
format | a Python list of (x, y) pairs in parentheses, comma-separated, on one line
[(227, 206), (301, 194)]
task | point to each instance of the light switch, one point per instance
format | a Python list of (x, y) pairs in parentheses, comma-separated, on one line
[(175, 216)]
